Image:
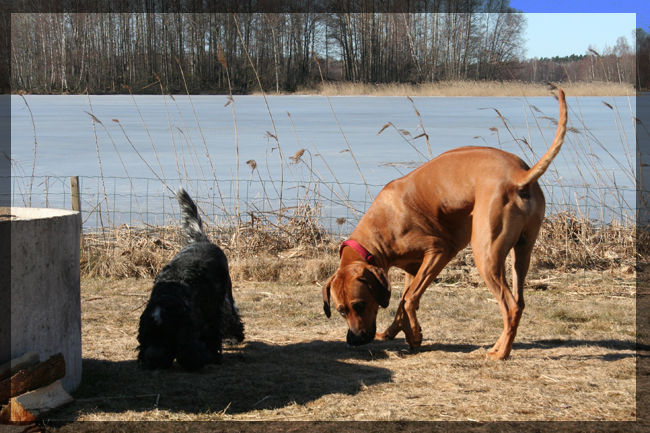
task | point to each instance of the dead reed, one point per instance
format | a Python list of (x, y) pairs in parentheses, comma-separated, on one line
[(254, 241), (569, 241), (468, 88), (295, 247)]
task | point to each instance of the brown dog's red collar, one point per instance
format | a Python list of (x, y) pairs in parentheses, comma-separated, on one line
[(358, 248)]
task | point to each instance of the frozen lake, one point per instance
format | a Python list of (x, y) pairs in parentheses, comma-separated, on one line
[(596, 156)]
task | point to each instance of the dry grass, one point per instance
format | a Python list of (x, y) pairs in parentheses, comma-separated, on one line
[(468, 88), (252, 246), (569, 248), (573, 359), (567, 242), (128, 252)]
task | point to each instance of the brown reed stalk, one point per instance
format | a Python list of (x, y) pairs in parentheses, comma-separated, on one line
[(622, 137), (205, 144), (155, 152), (191, 148), (403, 134), (342, 133), (171, 130), (101, 169), (345, 200), (117, 152), (296, 158), (252, 164), (421, 124), (153, 146), (275, 132), (19, 168), (221, 56), (31, 183), (162, 181)]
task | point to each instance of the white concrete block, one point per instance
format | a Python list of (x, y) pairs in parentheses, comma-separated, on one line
[(45, 287)]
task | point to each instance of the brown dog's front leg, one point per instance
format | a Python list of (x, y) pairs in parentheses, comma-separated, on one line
[(405, 320), (412, 329), (395, 327), (431, 266), (398, 323)]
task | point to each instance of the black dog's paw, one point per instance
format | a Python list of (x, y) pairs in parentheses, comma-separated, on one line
[(191, 364), (194, 355), (234, 332), (155, 358), (233, 328)]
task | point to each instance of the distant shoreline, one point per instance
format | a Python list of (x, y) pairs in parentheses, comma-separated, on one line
[(471, 88), (441, 89)]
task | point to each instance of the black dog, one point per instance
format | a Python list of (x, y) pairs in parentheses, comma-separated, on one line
[(191, 308)]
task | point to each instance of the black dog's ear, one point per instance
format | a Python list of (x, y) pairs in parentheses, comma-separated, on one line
[(377, 280), (326, 297)]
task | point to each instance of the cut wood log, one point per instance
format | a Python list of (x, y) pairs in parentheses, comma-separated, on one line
[(10, 368), (34, 377), (32, 406)]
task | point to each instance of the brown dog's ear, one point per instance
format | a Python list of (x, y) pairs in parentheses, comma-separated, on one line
[(326, 297), (377, 280)]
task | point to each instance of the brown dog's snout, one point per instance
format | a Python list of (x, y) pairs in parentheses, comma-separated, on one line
[(363, 337)]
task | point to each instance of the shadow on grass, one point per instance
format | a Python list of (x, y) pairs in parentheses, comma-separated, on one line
[(259, 375), (253, 376), (612, 345)]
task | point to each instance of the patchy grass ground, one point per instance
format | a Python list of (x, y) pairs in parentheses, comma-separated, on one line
[(573, 359)]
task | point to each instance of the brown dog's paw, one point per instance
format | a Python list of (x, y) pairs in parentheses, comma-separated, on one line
[(390, 333), (417, 338), (495, 356), (382, 336), (416, 343), (414, 336), (415, 346)]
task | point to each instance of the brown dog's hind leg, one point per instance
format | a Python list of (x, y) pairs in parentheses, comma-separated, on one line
[(496, 229), (520, 262), (511, 313), (395, 327), (490, 262)]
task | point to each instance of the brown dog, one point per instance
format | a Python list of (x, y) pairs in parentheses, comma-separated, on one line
[(419, 222)]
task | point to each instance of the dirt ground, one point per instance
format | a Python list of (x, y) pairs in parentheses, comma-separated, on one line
[(573, 360)]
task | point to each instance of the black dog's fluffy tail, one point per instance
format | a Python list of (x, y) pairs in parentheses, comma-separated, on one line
[(192, 226)]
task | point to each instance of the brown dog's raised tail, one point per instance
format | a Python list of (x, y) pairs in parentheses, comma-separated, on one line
[(539, 169)]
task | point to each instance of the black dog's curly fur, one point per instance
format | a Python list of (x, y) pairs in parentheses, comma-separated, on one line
[(191, 308)]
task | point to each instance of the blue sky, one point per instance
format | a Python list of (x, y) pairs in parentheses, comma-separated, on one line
[(562, 28)]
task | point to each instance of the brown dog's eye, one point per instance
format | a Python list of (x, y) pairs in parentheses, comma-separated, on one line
[(341, 311), (359, 307)]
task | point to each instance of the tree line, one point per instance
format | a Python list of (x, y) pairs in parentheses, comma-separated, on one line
[(223, 52), (642, 59), (613, 64)]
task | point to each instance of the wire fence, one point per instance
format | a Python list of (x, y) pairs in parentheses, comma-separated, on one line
[(107, 202), (588, 228)]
